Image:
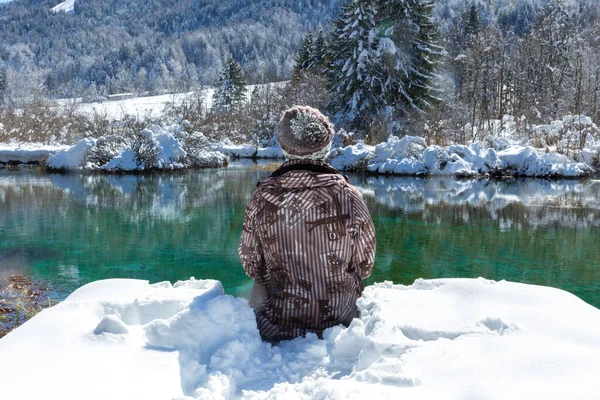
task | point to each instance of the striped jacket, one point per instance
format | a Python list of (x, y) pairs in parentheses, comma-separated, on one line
[(308, 241)]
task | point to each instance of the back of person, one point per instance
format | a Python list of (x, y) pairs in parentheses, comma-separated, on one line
[(308, 241)]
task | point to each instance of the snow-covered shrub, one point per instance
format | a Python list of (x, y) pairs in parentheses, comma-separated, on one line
[(590, 156), (199, 151), (106, 148), (411, 156), (155, 148), (146, 150), (351, 158), (497, 143), (573, 132), (207, 159)]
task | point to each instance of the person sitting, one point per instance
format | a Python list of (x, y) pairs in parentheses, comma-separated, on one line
[(308, 239)]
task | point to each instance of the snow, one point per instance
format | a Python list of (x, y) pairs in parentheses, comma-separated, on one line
[(67, 6), (140, 107), (151, 107), (446, 338), (71, 158), (411, 156), (503, 153), (27, 153), (250, 151), (167, 150), (406, 156), (126, 161)]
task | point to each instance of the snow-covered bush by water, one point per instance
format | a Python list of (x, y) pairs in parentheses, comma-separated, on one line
[(434, 339), (506, 153), (154, 148), (411, 156)]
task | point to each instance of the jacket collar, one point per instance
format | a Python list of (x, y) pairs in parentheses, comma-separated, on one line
[(317, 166)]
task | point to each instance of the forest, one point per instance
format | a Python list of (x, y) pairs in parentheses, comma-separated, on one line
[(445, 70)]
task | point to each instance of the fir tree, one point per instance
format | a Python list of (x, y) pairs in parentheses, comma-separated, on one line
[(3, 84), (356, 81), (413, 53), (319, 57), (425, 56), (471, 24), (230, 91), (312, 55), (309, 77), (304, 56)]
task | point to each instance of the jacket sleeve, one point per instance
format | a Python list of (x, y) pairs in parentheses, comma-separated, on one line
[(250, 248), (365, 242)]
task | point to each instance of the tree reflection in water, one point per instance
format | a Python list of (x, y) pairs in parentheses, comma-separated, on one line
[(73, 229)]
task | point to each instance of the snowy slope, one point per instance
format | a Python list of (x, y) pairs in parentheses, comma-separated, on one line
[(448, 338), (67, 6), (151, 106)]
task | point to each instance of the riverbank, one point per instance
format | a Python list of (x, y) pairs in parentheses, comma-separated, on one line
[(20, 300), (409, 156), (170, 149), (459, 338)]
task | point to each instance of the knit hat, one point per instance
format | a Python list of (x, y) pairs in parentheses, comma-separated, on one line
[(305, 133)]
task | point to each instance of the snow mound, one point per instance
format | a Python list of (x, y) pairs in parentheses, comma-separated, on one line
[(27, 153), (447, 338), (411, 156), (71, 158)]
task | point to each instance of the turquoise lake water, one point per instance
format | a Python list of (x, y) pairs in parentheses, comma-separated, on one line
[(69, 230)]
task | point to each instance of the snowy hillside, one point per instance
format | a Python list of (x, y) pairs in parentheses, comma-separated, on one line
[(156, 44), (447, 338)]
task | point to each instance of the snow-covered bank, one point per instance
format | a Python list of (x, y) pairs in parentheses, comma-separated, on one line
[(411, 156), (449, 338), (248, 151), (172, 147), (27, 153)]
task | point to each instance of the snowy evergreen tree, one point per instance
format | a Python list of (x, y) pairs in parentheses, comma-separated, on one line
[(2, 85), (304, 56), (230, 90), (309, 78), (313, 55), (355, 73), (471, 24), (425, 56), (384, 57), (305, 52), (412, 53), (319, 56)]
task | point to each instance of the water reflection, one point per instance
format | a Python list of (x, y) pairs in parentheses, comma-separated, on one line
[(514, 203), (156, 227), (73, 229)]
